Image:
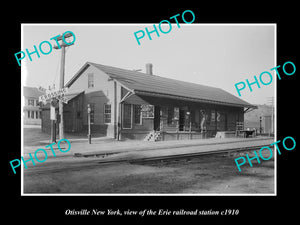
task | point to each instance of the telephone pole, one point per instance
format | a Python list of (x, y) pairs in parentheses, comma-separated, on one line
[(270, 101), (63, 45), (61, 85)]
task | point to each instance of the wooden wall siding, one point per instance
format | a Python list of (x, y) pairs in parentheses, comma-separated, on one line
[(108, 91), (102, 93), (147, 125), (225, 117), (98, 98), (73, 114), (46, 122)]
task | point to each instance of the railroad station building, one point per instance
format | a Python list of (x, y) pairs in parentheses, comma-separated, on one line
[(126, 104)]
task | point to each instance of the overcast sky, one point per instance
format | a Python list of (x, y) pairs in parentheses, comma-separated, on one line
[(208, 54)]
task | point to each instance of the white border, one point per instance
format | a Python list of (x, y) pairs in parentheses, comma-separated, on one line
[(141, 24), (275, 110), (22, 122)]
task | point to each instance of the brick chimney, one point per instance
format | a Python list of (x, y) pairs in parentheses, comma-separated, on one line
[(149, 68)]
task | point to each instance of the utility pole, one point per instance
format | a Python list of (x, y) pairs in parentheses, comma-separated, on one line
[(260, 127), (271, 102), (63, 45), (53, 104), (61, 85)]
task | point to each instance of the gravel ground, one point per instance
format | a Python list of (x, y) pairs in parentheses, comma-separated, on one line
[(208, 174)]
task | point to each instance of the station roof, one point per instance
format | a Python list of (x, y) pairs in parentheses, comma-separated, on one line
[(153, 85)]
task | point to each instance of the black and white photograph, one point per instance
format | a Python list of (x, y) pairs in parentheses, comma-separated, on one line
[(136, 114), (108, 111)]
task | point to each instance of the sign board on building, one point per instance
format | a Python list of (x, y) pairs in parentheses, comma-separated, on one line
[(147, 111)]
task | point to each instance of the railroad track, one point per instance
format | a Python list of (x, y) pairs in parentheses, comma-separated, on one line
[(192, 155), (96, 162), (181, 156)]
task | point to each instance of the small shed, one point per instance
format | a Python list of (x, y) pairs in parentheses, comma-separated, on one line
[(268, 127), (72, 114)]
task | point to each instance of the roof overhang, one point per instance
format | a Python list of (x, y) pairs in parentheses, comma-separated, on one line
[(70, 96), (250, 109), (162, 95), (134, 99)]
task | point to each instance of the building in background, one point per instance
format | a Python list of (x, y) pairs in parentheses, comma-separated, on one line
[(261, 119), (31, 107), (267, 127)]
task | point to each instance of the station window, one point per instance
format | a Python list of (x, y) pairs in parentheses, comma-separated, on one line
[(90, 80), (170, 119), (213, 116), (147, 111), (31, 102), (107, 113)]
